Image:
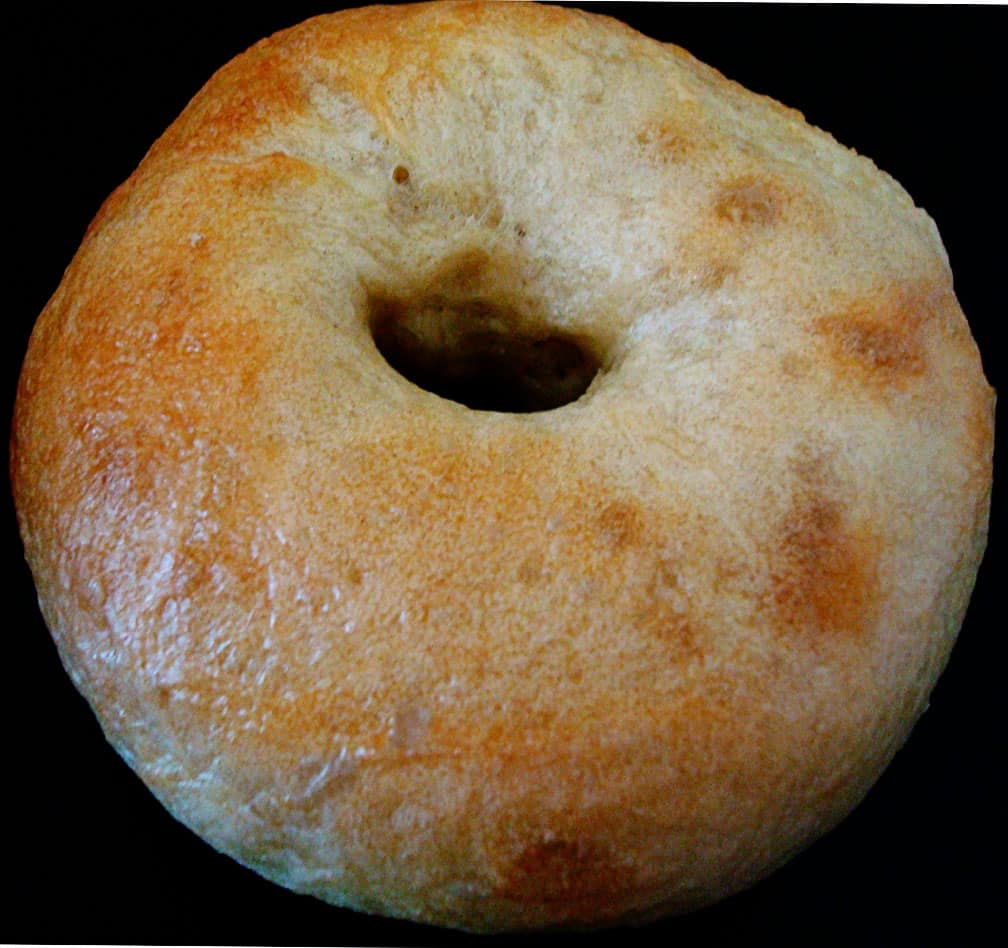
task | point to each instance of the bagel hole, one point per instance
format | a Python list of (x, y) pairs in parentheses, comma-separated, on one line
[(481, 355)]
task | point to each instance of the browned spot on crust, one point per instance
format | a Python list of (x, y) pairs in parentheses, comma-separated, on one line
[(881, 336), (573, 874), (461, 273), (531, 569), (794, 365), (272, 172), (824, 569), (664, 616), (663, 142), (980, 429), (743, 212), (882, 347), (673, 629), (748, 201), (713, 274), (245, 97), (621, 524)]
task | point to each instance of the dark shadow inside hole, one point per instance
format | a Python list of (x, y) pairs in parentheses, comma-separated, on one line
[(472, 353)]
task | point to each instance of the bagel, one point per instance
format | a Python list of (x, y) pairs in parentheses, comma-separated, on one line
[(615, 640)]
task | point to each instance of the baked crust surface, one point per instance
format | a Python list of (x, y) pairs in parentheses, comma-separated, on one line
[(483, 669)]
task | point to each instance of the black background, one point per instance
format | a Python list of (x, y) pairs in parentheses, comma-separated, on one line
[(91, 857)]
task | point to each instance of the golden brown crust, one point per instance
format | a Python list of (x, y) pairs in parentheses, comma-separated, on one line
[(423, 660)]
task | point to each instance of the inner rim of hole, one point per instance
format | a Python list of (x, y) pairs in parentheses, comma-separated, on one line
[(481, 355)]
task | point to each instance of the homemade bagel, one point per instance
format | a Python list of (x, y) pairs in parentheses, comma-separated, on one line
[(485, 668)]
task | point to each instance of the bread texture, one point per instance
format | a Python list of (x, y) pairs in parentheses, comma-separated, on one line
[(488, 669)]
